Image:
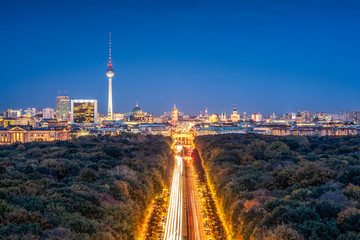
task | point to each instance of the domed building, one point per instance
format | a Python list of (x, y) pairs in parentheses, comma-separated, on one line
[(215, 118), (136, 115), (137, 112)]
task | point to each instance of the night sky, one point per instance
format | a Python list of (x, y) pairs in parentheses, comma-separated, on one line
[(264, 56)]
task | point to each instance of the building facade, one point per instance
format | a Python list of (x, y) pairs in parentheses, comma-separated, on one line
[(26, 134), (62, 108), (48, 113), (84, 111), (175, 114)]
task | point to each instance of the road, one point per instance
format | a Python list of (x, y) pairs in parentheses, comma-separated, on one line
[(184, 193), (173, 228), (193, 206)]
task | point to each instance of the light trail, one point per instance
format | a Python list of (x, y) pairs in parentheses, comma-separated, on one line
[(195, 221), (173, 229)]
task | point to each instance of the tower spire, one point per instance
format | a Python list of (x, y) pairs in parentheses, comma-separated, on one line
[(109, 46), (110, 64)]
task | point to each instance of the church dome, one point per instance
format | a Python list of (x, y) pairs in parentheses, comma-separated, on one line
[(215, 118), (137, 111)]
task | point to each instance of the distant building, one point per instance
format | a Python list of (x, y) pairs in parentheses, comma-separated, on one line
[(48, 113), (257, 117), (160, 119), (290, 116), (307, 116), (175, 114), (214, 118), (234, 116), (223, 117), (314, 131), (10, 113), (323, 117), (25, 120), (25, 134), (62, 108), (354, 116), (84, 111), (30, 112), (298, 118), (118, 116)]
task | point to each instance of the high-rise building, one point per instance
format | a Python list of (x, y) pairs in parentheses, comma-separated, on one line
[(175, 114), (62, 108), (84, 111), (234, 116), (110, 73), (48, 113)]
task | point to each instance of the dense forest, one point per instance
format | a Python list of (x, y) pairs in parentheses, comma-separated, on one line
[(90, 188), (285, 188)]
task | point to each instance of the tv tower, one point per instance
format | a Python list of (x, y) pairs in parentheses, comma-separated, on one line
[(110, 73)]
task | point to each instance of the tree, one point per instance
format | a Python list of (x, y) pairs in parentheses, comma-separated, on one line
[(275, 148), (283, 232)]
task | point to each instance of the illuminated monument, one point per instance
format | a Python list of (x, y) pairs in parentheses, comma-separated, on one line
[(110, 73)]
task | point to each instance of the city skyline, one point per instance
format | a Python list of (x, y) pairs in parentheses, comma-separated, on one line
[(166, 54)]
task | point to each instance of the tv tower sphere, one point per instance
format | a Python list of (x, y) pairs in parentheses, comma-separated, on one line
[(110, 72)]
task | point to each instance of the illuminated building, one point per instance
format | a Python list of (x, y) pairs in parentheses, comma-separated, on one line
[(298, 118), (323, 117), (118, 116), (234, 116), (137, 113), (62, 108), (84, 111), (307, 116), (220, 128), (5, 122), (10, 113), (25, 120), (314, 131), (223, 117), (214, 118), (30, 112), (175, 114), (48, 113), (110, 73), (25, 134), (160, 119), (354, 116), (257, 117)]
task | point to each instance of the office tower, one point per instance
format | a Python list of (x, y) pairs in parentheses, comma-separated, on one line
[(175, 114), (84, 111), (62, 108)]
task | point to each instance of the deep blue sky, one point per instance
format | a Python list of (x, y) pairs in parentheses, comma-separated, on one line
[(265, 56)]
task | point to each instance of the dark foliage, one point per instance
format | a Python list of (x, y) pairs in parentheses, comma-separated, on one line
[(92, 188), (291, 187)]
